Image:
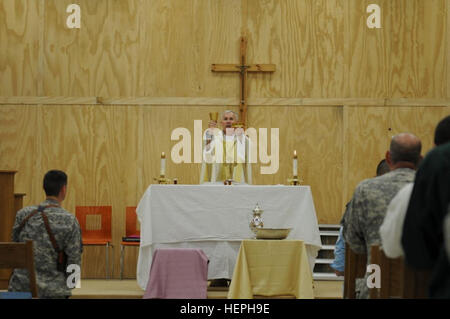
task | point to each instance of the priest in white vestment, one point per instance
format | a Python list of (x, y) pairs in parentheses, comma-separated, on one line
[(226, 152)]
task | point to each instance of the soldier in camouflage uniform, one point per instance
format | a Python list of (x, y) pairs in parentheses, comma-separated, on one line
[(66, 230), (365, 213)]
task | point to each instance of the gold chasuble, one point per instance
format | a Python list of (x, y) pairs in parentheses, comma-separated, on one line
[(226, 158)]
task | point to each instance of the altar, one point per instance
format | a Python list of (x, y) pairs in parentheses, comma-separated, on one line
[(216, 218)]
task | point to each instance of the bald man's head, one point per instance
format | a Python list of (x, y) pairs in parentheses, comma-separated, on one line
[(405, 147)]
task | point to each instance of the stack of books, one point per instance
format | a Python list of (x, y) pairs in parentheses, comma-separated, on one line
[(132, 239)]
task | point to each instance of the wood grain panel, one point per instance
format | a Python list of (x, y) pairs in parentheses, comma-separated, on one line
[(131, 255), (20, 47), (368, 138), (164, 48), (316, 134), (370, 129), (183, 39), (416, 48), (368, 55), (447, 42), (18, 201), (99, 59), (93, 222), (306, 40), (213, 102), (77, 140), (19, 148), (127, 162), (93, 262)]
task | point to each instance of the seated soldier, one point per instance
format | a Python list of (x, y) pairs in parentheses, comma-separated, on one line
[(40, 224)]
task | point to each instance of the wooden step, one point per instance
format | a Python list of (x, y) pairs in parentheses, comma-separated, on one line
[(332, 226), (329, 233), (327, 276), (324, 261)]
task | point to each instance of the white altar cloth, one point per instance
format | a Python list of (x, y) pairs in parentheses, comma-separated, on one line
[(215, 218)]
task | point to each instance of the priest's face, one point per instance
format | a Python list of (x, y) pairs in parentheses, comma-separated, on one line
[(228, 119)]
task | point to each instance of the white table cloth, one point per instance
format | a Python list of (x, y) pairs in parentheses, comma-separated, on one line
[(216, 218)]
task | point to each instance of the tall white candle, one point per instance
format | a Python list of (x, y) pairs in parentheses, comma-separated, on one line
[(163, 164), (295, 171)]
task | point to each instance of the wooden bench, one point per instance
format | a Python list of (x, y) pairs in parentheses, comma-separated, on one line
[(398, 280), (19, 255), (355, 267)]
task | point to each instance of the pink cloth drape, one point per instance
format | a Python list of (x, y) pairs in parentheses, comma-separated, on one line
[(178, 273)]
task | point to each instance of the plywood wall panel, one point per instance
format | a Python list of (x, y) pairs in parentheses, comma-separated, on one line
[(416, 48), (316, 134), (368, 139), (20, 47), (368, 56), (447, 42), (131, 255), (369, 132), (19, 148), (76, 139), (102, 58), (165, 48), (306, 40), (183, 39)]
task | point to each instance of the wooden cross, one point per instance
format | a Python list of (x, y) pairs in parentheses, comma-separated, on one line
[(243, 68)]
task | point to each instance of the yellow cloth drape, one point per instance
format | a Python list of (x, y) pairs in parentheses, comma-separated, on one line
[(271, 268), (207, 173), (232, 166)]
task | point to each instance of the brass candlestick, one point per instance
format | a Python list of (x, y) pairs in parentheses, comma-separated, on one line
[(294, 181), (162, 180)]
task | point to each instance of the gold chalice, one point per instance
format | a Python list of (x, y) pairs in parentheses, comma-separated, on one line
[(214, 116)]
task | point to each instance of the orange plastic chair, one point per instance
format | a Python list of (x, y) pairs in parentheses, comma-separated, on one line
[(130, 231), (97, 237)]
